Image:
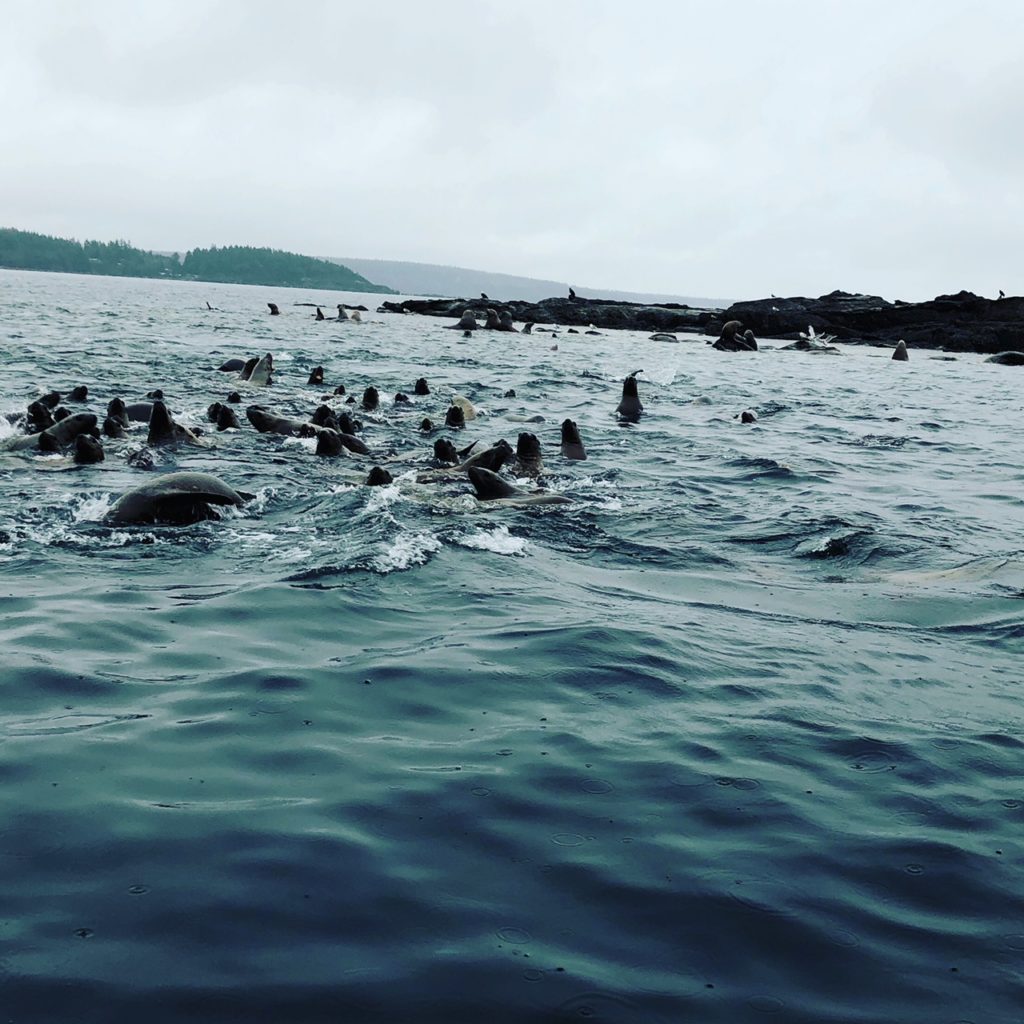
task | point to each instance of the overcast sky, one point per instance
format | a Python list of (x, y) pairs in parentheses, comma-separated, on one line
[(727, 149)]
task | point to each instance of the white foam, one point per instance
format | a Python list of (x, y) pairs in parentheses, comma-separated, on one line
[(406, 550), (92, 509), (500, 541)]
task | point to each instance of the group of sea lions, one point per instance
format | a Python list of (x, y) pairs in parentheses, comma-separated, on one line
[(179, 498)]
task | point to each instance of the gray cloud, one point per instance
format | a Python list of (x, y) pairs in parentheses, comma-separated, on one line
[(698, 148)]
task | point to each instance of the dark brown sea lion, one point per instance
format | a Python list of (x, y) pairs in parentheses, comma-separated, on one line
[(572, 446), (274, 311), (630, 408), (492, 488), (899, 353), (176, 499)]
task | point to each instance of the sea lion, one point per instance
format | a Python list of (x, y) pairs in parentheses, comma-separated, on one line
[(899, 353), (572, 330), (444, 452), (1007, 358), (319, 313), (155, 393), (226, 419), (355, 317), (232, 365), (572, 295), (322, 415), (572, 446), (378, 477), (455, 417), (748, 416), (511, 393), (163, 429), (78, 394), (234, 397), (339, 390), (87, 450), (528, 328), (528, 457), (401, 398), (51, 399), (247, 367), (467, 322), (60, 413), (492, 488), (347, 424), (342, 315), (116, 411), (176, 499), (334, 442), (260, 373), (426, 425), (113, 428), (371, 399), (662, 336), (38, 417), (316, 375), (274, 311), (421, 387), (630, 408), (505, 322), (53, 438), (483, 295), (468, 412), (267, 422), (734, 339)]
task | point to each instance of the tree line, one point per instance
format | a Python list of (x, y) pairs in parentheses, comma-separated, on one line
[(233, 264)]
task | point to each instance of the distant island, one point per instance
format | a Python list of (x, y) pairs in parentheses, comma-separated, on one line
[(232, 264)]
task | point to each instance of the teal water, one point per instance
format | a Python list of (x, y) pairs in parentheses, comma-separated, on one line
[(737, 735)]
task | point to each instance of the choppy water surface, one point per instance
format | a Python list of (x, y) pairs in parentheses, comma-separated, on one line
[(735, 736)]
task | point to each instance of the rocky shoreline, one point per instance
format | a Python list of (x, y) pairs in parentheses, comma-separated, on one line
[(954, 323)]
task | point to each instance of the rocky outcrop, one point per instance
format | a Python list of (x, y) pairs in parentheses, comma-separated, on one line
[(957, 323), (569, 313)]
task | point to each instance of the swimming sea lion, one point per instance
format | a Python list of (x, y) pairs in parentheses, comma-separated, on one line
[(116, 411), (113, 428), (492, 488), (234, 397), (455, 417), (226, 419), (176, 499), (347, 424), (528, 328), (51, 399), (467, 322), (267, 422), (53, 438), (401, 398), (274, 311), (260, 373), (60, 413), (371, 399), (748, 416), (87, 450), (247, 367), (421, 387), (334, 442), (235, 365), (630, 408), (662, 336), (468, 412), (38, 417), (316, 375), (528, 457), (899, 353), (340, 389), (425, 425), (1007, 358), (511, 393), (163, 429), (444, 452), (378, 477), (355, 317), (322, 414), (572, 446), (78, 394), (319, 313), (342, 315), (734, 339), (505, 322)]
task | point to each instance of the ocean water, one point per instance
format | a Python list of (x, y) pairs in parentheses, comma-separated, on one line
[(735, 736)]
